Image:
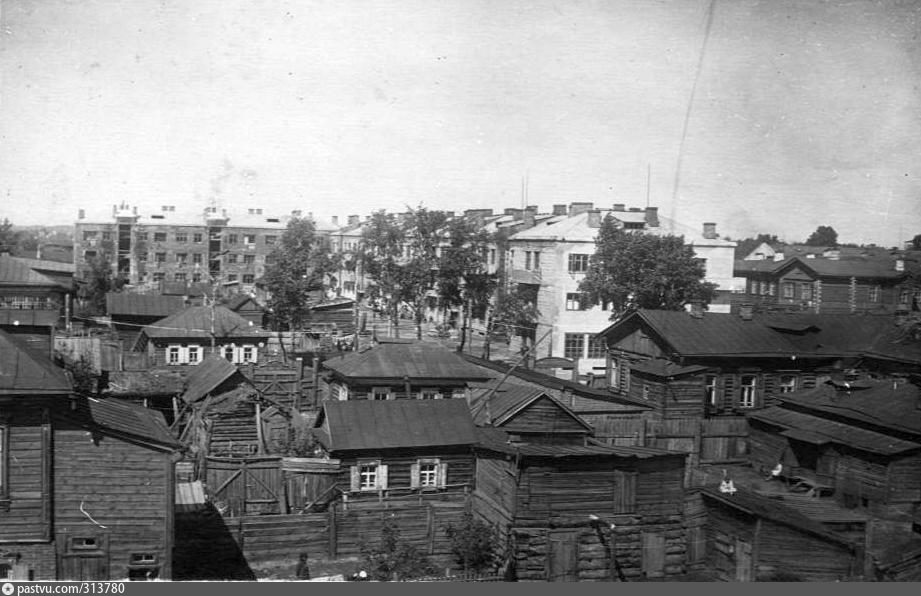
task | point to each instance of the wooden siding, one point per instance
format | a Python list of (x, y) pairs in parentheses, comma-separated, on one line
[(399, 466), (28, 516), (859, 478), (782, 549), (904, 481), (724, 527), (545, 417), (116, 492)]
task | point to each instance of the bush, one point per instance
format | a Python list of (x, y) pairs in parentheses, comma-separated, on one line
[(394, 558), (473, 543)]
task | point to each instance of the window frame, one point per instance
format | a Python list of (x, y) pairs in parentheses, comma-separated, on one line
[(435, 393), (387, 392), (748, 392), (570, 340), (783, 387), (578, 262), (575, 301), (710, 389)]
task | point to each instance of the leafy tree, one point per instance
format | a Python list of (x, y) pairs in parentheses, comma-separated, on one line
[(418, 274), (746, 245), (98, 280), (380, 255), (916, 242), (636, 270), (84, 375), (474, 543), (823, 236), (393, 558), (299, 265), (515, 314), (7, 236)]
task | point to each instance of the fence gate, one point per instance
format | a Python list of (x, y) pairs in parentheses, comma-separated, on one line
[(246, 486)]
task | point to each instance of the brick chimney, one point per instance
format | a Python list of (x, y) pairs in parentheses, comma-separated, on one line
[(354, 220), (710, 231), (652, 217), (335, 220), (579, 208), (594, 218), (620, 207), (559, 209), (517, 214)]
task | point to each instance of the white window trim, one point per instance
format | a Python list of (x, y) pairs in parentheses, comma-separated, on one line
[(375, 390), (441, 473), (435, 390), (380, 479), (747, 393)]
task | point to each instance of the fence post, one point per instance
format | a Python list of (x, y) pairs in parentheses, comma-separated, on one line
[(331, 528), (431, 528)]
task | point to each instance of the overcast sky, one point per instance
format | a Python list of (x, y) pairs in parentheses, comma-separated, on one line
[(804, 113)]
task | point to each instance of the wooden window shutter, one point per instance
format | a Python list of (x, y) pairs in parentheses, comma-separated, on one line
[(354, 481), (442, 478), (382, 476), (414, 475)]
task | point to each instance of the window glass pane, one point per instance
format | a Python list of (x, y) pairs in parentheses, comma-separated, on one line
[(428, 474), (573, 345), (367, 475)]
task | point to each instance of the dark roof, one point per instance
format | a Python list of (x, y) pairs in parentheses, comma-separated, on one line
[(860, 267), (195, 322), (773, 510), (395, 361), (143, 305), (338, 304), (882, 403), (125, 418), (495, 439), (207, 376), (145, 383), (46, 265), (24, 370), (239, 300), (392, 424), (507, 402), (14, 272), (665, 368), (552, 382), (820, 429)]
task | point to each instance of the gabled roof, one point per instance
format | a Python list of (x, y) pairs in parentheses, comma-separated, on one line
[(207, 376), (142, 305), (505, 404), (195, 322), (14, 272), (875, 268), (239, 300), (815, 429), (26, 371), (665, 368), (770, 509), (418, 361), (46, 265), (131, 421), (394, 424)]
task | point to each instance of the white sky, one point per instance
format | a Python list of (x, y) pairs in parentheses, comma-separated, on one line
[(806, 112)]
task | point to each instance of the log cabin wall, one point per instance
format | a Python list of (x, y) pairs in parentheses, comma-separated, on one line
[(904, 480), (861, 479), (781, 548), (114, 501), (496, 488), (725, 527), (399, 462)]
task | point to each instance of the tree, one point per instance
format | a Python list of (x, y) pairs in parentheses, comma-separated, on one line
[(298, 266), (823, 236), (97, 282), (393, 558), (473, 543), (515, 314), (916, 242), (636, 270), (7, 236), (418, 274), (381, 250)]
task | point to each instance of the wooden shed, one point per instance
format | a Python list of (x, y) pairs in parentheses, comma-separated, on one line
[(751, 537), (529, 415), (556, 505)]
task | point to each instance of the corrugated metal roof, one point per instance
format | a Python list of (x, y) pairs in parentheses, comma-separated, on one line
[(128, 419), (771, 509), (418, 360), (24, 370), (13, 272), (836, 432), (392, 424), (145, 305), (208, 375), (195, 322)]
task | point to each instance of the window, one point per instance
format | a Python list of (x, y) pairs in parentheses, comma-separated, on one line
[(159, 236), (527, 259), (788, 290), (231, 239), (91, 254), (368, 475), (772, 288), (232, 259), (194, 354), (177, 354), (231, 277), (160, 257), (597, 348), (381, 393), (747, 391), (269, 240), (182, 237), (645, 391), (428, 473), (430, 393), (179, 277), (196, 277), (492, 256), (578, 263), (805, 289), (573, 345), (249, 259), (249, 239), (196, 238), (710, 389), (89, 235), (247, 354), (182, 257), (874, 293), (173, 355), (228, 353), (576, 301), (107, 235), (196, 258), (158, 276), (142, 257), (248, 278), (787, 383)]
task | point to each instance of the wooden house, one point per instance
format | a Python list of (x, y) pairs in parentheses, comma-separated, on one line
[(860, 440), (184, 338), (31, 304), (400, 448), (745, 536), (400, 371), (247, 307), (131, 312), (86, 485), (529, 415), (336, 317), (591, 512)]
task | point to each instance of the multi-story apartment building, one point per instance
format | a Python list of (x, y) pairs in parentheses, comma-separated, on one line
[(551, 257), (181, 246)]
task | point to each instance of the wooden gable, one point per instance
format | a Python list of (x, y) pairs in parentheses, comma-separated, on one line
[(544, 415), (641, 341)]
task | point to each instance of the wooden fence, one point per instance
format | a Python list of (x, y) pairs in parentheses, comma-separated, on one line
[(711, 440), (246, 486)]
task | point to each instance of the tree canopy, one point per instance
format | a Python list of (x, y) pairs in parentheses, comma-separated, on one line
[(823, 236), (299, 265), (636, 270)]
